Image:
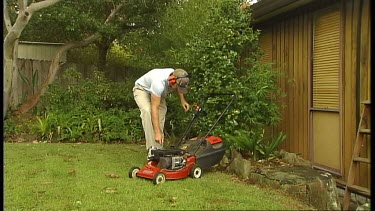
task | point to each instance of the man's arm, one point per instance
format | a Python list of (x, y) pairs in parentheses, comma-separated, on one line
[(155, 103), (184, 104)]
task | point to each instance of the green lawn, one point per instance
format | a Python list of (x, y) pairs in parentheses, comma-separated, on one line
[(75, 177)]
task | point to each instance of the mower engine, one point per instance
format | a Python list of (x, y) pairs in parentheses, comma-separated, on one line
[(172, 162)]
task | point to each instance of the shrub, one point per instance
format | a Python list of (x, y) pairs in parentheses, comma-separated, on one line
[(16, 126), (224, 58), (89, 110), (11, 128)]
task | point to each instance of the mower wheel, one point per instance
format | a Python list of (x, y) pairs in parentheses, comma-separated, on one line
[(133, 172), (196, 172), (159, 178)]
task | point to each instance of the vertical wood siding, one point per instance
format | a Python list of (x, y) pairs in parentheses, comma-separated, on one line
[(290, 38), (289, 55)]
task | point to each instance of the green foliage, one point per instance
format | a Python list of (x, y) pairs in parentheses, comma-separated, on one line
[(11, 128), (174, 35), (118, 55), (43, 127), (246, 141), (268, 149), (89, 110), (224, 58), (121, 125), (86, 55), (72, 20), (255, 143), (17, 126), (178, 24)]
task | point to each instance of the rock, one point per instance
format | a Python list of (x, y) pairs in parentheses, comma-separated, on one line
[(240, 167), (235, 154), (363, 207), (224, 162), (314, 187), (294, 159)]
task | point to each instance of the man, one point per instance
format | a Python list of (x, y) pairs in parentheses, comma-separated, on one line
[(150, 92)]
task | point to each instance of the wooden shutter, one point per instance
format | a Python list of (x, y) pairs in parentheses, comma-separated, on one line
[(326, 60)]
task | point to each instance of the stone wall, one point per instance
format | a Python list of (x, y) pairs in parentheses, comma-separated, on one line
[(298, 179)]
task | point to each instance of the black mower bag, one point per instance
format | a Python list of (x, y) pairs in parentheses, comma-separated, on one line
[(208, 152)]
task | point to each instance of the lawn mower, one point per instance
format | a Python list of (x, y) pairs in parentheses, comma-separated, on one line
[(189, 157)]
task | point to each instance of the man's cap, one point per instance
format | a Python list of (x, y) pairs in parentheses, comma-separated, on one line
[(182, 80)]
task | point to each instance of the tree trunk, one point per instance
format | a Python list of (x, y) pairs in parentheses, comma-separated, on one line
[(10, 53), (103, 51), (11, 41)]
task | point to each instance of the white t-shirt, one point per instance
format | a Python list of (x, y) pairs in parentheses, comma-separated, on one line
[(156, 81)]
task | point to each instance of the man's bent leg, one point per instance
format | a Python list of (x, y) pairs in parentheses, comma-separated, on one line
[(142, 98)]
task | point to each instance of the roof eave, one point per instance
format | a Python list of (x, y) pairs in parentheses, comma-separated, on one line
[(267, 9)]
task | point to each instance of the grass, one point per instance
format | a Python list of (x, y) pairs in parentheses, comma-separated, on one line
[(75, 177)]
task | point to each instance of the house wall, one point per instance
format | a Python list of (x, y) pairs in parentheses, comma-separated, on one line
[(287, 43)]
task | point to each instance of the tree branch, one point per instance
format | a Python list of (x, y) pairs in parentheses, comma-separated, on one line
[(113, 13), (36, 6), (7, 22), (22, 4)]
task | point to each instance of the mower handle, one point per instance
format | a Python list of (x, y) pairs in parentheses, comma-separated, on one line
[(199, 109)]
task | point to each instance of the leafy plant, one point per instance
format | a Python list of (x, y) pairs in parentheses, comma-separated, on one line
[(255, 143), (268, 149), (43, 127), (247, 141)]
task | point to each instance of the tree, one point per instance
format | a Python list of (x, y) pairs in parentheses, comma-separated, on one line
[(179, 23), (54, 67), (77, 19), (25, 12), (81, 23)]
